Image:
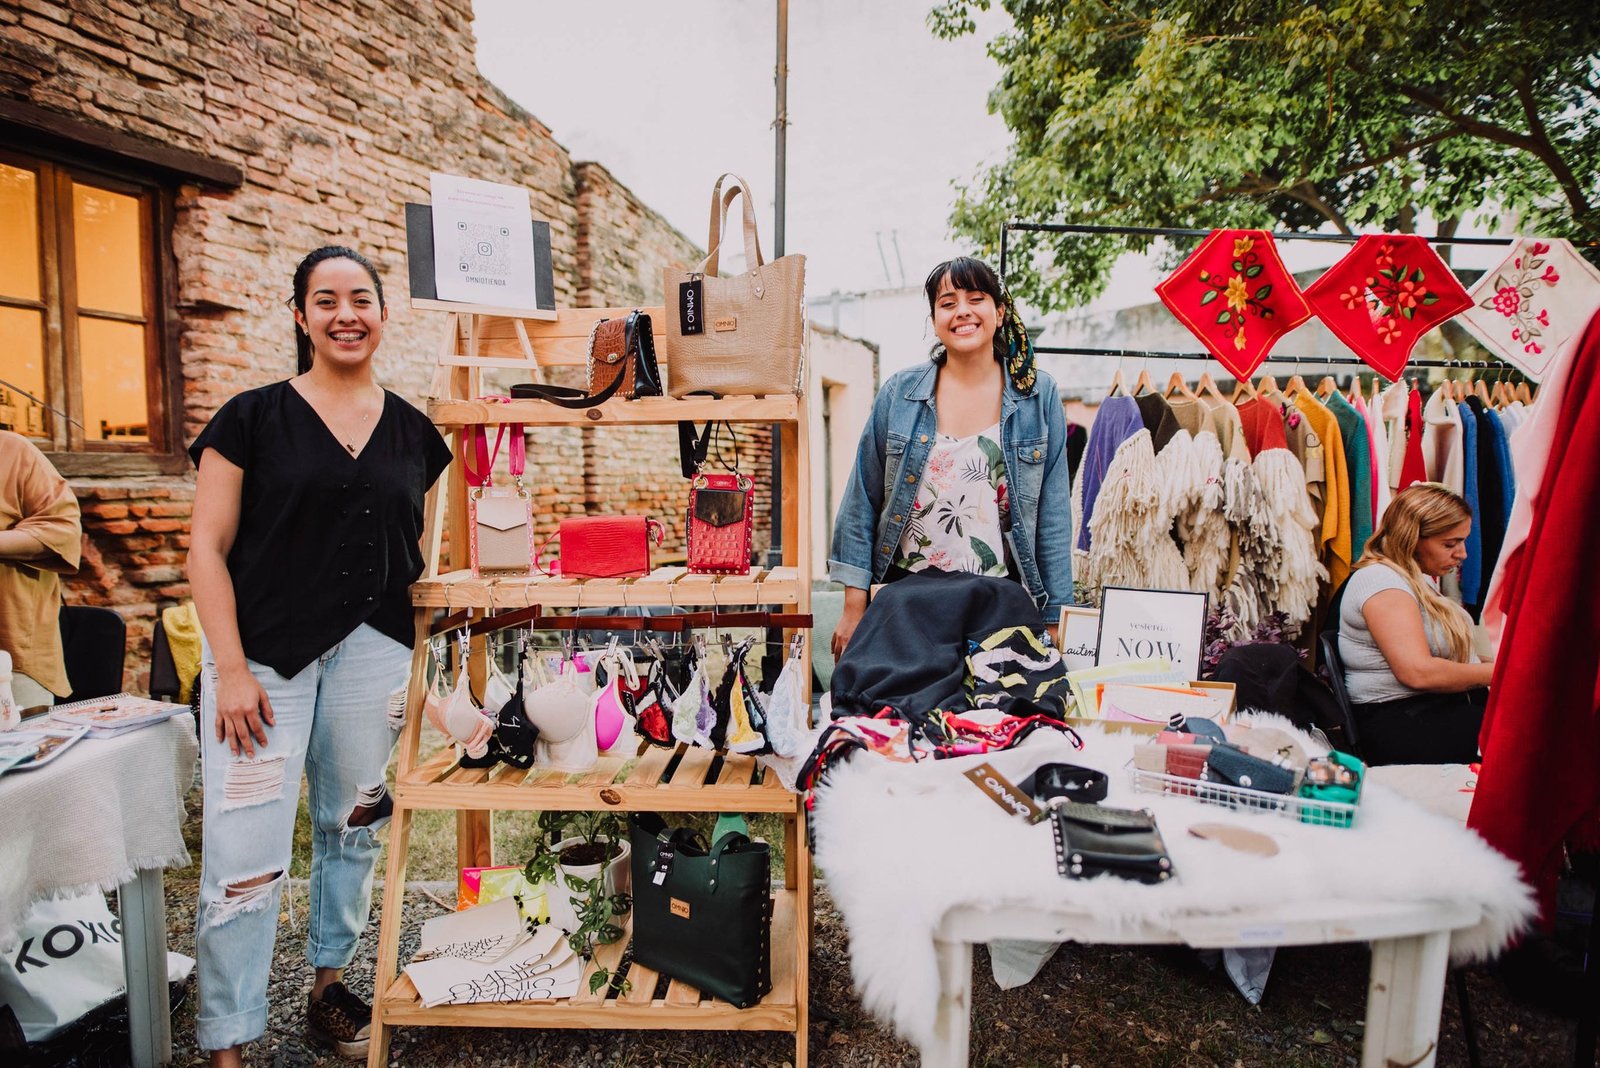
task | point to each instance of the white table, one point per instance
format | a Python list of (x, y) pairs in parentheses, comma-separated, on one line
[(105, 808), (1410, 951)]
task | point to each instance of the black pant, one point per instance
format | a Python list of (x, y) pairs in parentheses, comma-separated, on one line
[(1430, 728)]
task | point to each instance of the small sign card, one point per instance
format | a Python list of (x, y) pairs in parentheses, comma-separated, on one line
[(1078, 636), (1141, 624), (483, 243)]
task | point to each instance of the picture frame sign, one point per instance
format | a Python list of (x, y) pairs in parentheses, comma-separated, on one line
[(1078, 636), (1142, 624)]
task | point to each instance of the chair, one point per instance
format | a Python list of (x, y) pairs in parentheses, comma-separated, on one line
[(1328, 645), (93, 644), (164, 684)]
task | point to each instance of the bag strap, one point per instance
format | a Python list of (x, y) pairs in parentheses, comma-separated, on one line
[(720, 203), (730, 840), (545, 545), (692, 453), (565, 396)]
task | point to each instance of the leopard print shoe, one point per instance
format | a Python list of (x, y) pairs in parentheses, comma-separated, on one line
[(339, 1021)]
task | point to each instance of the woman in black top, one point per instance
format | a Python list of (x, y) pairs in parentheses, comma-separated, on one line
[(307, 518)]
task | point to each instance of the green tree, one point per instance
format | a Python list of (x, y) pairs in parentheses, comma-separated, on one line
[(1359, 114)]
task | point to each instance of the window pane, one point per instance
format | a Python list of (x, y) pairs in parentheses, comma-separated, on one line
[(105, 227), (112, 354), (19, 233), (22, 364)]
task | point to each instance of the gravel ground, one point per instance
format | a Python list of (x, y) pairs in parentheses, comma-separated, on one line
[(1091, 1006)]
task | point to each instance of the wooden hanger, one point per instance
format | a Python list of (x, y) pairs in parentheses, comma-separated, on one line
[(1207, 388), (1377, 391), (1480, 389), (1523, 393), (1294, 385), (1500, 395), (1327, 387), (1142, 384), (1117, 385), (1268, 384), (1177, 387), (1242, 391)]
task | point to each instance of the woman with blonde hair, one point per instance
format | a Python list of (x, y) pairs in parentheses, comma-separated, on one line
[(1417, 688)]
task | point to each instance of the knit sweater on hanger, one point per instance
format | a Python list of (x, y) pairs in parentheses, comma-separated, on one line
[(1334, 536), (1358, 465), (1115, 422)]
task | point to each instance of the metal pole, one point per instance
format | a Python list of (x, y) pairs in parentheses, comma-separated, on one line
[(780, 125)]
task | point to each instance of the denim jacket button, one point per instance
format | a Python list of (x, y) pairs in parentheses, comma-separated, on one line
[(923, 439), (1035, 454), (911, 478), (899, 518), (886, 549)]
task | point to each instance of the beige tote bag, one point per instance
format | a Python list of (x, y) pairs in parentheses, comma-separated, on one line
[(742, 335)]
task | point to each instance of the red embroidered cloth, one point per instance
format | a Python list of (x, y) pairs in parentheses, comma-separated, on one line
[(1385, 294), (1235, 295)]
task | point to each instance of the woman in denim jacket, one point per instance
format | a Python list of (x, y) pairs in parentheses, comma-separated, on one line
[(963, 465)]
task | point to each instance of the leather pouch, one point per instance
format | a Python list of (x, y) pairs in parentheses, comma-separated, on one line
[(702, 916), (500, 518), (606, 546), (1095, 840), (719, 524), (1229, 764), (625, 349)]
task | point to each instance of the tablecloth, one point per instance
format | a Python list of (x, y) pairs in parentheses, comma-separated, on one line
[(103, 811), (900, 845)]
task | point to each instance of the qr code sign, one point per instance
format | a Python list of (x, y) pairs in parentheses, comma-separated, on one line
[(483, 252)]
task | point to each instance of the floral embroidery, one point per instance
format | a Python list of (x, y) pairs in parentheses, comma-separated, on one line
[(1514, 293), (1246, 264), (1394, 292), (1235, 295)]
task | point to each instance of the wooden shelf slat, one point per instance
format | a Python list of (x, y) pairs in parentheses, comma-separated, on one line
[(665, 586), (779, 408), (683, 1008)]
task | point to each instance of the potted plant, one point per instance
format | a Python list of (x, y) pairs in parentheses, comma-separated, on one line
[(584, 858)]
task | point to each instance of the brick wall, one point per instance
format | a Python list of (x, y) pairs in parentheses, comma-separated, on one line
[(336, 115)]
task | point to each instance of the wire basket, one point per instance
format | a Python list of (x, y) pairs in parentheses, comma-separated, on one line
[(1305, 809)]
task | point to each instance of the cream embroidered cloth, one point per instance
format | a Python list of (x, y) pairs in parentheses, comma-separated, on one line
[(1542, 293), (105, 810)]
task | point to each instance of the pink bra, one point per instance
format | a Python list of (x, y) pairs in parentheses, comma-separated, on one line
[(612, 721)]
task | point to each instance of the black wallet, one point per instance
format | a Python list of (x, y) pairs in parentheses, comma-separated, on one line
[(1094, 840)]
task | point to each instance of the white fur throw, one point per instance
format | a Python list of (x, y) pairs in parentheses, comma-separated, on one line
[(900, 845)]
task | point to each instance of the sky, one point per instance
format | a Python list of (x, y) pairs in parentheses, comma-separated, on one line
[(883, 117)]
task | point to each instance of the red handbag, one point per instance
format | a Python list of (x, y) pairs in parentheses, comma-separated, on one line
[(604, 546), (719, 524)]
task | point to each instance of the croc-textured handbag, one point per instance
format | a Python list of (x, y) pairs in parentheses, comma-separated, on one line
[(719, 524)]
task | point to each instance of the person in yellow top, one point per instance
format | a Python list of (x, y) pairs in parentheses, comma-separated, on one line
[(1334, 538), (41, 539)]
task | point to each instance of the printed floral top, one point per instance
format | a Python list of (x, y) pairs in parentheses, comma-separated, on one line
[(957, 522)]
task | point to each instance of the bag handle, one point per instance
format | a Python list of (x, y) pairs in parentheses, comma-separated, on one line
[(720, 202), (729, 840)]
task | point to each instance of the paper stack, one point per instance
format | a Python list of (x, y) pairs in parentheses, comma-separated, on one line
[(486, 953), (107, 717)]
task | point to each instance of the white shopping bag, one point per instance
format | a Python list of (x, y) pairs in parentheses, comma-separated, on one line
[(69, 962)]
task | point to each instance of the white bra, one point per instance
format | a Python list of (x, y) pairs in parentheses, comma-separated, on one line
[(562, 712), (457, 715)]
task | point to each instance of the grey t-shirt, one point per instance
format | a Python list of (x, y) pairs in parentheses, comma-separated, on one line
[(1367, 675)]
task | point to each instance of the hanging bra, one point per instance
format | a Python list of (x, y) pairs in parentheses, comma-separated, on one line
[(496, 692), (650, 710), (456, 715), (786, 710), (512, 741), (561, 712), (613, 724), (686, 708)]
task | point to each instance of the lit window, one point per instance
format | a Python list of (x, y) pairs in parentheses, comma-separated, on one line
[(81, 363)]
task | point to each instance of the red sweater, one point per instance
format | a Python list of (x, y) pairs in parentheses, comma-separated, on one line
[(1540, 783), (1411, 468)]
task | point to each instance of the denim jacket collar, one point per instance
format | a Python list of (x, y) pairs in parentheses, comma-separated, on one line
[(921, 387)]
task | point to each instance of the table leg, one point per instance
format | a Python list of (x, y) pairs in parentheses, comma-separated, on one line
[(142, 904), (953, 1024), (1404, 995)]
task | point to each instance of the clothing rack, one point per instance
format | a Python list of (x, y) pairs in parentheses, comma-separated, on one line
[(533, 618), (1277, 235)]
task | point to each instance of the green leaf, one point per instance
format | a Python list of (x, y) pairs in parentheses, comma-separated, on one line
[(991, 452), (1433, 298), (1416, 275), (985, 554), (1387, 272), (1409, 313), (1238, 265), (1224, 316), (1264, 292), (598, 979), (1254, 270), (1209, 296)]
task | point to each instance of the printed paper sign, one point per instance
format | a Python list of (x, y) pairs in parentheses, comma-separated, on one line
[(1141, 624), (483, 243)]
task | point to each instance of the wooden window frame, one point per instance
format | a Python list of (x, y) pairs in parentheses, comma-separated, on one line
[(67, 447)]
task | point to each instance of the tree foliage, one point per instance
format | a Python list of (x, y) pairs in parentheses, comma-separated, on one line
[(1355, 114)]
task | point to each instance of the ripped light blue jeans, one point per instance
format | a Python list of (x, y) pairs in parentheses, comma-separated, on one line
[(332, 723)]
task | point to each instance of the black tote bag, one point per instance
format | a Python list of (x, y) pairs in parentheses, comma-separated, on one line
[(702, 916)]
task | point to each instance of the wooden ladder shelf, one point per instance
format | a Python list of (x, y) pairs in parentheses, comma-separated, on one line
[(682, 779)]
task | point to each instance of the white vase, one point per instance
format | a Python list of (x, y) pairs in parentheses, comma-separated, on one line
[(618, 880)]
